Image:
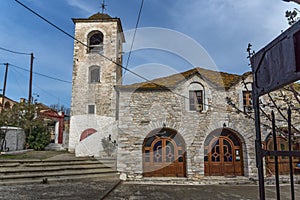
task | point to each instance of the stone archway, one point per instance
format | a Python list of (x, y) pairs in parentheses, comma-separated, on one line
[(223, 154), (164, 154)]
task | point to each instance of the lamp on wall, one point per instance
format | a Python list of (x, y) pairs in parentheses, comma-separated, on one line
[(227, 120)]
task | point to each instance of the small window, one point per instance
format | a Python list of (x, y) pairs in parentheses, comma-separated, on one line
[(247, 101), (91, 109), (94, 74), (95, 42), (196, 100)]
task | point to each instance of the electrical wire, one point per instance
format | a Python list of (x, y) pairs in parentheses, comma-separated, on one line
[(134, 35), (69, 35), (14, 73), (114, 62), (40, 74), (50, 94), (35, 85), (15, 52)]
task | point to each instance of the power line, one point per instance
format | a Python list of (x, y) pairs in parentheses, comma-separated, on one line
[(15, 52), (133, 39), (16, 80), (119, 65), (114, 62), (69, 35), (40, 74), (35, 85), (50, 94)]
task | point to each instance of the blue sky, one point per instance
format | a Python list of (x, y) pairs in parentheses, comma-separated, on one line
[(222, 27)]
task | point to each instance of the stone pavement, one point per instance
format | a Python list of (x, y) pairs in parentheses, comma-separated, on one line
[(207, 192), (96, 189), (68, 190)]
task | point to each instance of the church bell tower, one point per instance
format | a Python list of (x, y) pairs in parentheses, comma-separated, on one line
[(96, 70)]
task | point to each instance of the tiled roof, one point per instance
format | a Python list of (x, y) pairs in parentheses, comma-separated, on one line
[(215, 78)]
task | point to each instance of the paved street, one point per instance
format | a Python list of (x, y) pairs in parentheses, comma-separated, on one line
[(73, 190), (96, 189), (238, 192)]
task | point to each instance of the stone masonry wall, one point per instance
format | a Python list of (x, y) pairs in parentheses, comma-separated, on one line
[(102, 94), (143, 111)]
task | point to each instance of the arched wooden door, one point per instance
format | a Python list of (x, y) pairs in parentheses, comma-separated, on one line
[(164, 154), (223, 154), (283, 161)]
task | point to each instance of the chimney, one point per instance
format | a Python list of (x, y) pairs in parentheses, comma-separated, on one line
[(22, 100)]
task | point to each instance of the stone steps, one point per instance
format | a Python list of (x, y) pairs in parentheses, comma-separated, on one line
[(239, 180), (22, 170), (210, 180), (54, 147), (47, 179), (70, 168)]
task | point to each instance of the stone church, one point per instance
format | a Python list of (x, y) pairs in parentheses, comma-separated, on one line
[(176, 126)]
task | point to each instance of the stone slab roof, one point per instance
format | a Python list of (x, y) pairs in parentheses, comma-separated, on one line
[(214, 78), (101, 17)]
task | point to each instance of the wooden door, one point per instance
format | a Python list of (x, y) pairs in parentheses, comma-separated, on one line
[(283, 161), (163, 156), (223, 156)]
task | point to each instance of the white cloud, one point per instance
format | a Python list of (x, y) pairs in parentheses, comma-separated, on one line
[(225, 27), (86, 6)]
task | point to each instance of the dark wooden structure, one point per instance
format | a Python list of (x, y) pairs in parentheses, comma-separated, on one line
[(274, 66)]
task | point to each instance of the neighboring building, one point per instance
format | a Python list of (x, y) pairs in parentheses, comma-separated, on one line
[(178, 126), (55, 120), (55, 123), (7, 102)]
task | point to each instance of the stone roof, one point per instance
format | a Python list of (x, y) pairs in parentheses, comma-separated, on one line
[(99, 16), (215, 78)]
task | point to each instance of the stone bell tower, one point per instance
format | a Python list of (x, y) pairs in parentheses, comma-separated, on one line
[(95, 73)]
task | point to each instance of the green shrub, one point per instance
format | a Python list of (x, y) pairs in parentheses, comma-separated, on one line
[(39, 138)]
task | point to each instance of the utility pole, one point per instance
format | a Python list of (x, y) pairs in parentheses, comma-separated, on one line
[(30, 78), (4, 85)]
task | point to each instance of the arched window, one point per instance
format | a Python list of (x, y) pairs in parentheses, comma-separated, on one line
[(7, 105), (94, 74), (95, 42), (196, 97)]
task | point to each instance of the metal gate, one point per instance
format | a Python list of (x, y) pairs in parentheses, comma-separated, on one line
[(276, 65), (261, 153)]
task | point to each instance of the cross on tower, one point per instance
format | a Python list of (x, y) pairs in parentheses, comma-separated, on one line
[(103, 6)]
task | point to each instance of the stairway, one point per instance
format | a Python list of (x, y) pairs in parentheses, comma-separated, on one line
[(55, 169), (223, 180)]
